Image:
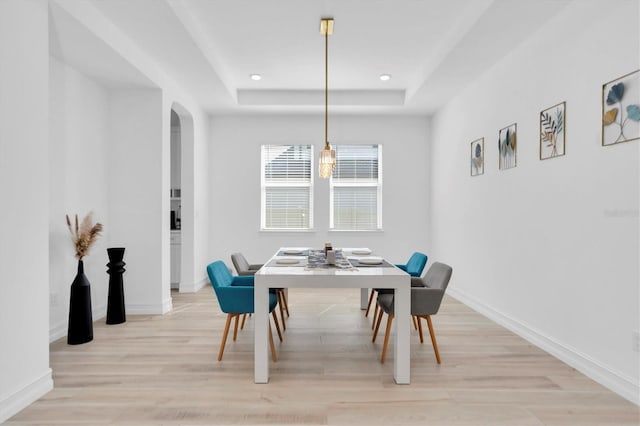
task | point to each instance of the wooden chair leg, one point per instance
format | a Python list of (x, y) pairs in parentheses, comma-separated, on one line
[(415, 324), (235, 327), (286, 302), (366, 314), (416, 318), (377, 323), (433, 338), (375, 314), (386, 339), (244, 318), (281, 303), (273, 346), (224, 336), (275, 320)]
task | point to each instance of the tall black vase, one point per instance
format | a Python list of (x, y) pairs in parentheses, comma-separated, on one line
[(115, 302), (80, 317)]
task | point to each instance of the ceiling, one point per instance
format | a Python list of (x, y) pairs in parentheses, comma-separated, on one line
[(431, 48)]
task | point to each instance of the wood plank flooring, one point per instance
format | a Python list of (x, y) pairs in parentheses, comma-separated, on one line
[(156, 370)]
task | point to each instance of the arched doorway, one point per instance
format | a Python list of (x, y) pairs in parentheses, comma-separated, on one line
[(182, 200)]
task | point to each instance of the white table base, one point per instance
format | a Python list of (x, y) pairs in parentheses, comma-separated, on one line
[(284, 277)]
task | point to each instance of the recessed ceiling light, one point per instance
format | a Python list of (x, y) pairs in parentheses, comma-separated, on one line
[(255, 77), (385, 77)]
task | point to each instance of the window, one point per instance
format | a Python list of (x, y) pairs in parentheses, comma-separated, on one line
[(356, 188), (287, 187)]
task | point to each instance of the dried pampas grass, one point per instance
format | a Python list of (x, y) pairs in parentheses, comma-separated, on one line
[(84, 235)]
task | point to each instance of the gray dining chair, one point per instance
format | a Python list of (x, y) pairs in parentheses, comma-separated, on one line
[(243, 267), (425, 301), (414, 267)]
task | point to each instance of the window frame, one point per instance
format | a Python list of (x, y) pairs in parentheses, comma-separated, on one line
[(264, 185), (353, 183)]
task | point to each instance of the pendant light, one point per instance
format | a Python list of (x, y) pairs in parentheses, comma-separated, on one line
[(327, 160)]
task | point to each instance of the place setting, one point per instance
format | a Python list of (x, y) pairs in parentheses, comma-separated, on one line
[(362, 257), (294, 251), (287, 261), (369, 261), (362, 251), (290, 256)]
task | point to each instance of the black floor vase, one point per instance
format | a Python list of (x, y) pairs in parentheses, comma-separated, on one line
[(115, 303), (80, 317)]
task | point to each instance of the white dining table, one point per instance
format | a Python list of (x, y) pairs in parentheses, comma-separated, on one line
[(281, 274)]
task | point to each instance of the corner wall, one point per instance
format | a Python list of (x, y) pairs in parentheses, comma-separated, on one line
[(79, 142), (24, 217), (549, 248)]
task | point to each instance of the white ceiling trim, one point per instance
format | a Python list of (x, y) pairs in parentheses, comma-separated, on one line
[(448, 43), (316, 97), (205, 44)]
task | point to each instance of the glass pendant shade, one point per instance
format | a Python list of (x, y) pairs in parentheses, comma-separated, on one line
[(327, 161)]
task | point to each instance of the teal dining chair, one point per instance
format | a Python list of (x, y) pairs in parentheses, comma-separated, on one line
[(235, 297), (415, 265), (244, 268)]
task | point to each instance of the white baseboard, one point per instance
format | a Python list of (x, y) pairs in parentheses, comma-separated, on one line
[(19, 400), (59, 330), (193, 288), (615, 381), (167, 305), (99, 312), (150, 309)]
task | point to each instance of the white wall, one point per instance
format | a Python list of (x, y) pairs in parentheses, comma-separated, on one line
[(549, 248), (24, 216), (78, 183), (234, 170), (201, 197), (138, 169)]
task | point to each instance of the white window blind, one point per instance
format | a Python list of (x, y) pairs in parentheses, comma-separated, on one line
[(287, 187), (356, 188)]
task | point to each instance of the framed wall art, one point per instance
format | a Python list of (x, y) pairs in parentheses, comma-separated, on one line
[(621, 109), (552, 135), (507, 147), (477, 157)]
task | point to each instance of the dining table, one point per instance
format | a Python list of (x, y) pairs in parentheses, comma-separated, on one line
[(304, 267)]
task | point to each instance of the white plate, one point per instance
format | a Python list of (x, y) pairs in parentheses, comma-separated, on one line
[(361, 251), (287, 261), (371, 260), (293, 251)]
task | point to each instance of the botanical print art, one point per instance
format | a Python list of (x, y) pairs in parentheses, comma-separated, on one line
[(552, 125), (477, 157), (507, 147), (621, 109)]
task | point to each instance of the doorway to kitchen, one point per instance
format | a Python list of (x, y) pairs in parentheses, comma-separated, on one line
[(176, 201)]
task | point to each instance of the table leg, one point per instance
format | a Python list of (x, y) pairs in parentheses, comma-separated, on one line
[(402, 349), (261, 330), (364, 298)]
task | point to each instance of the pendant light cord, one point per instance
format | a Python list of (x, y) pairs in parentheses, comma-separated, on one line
[(326, 87)]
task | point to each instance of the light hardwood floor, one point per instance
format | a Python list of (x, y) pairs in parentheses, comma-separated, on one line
[(163, 370)]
